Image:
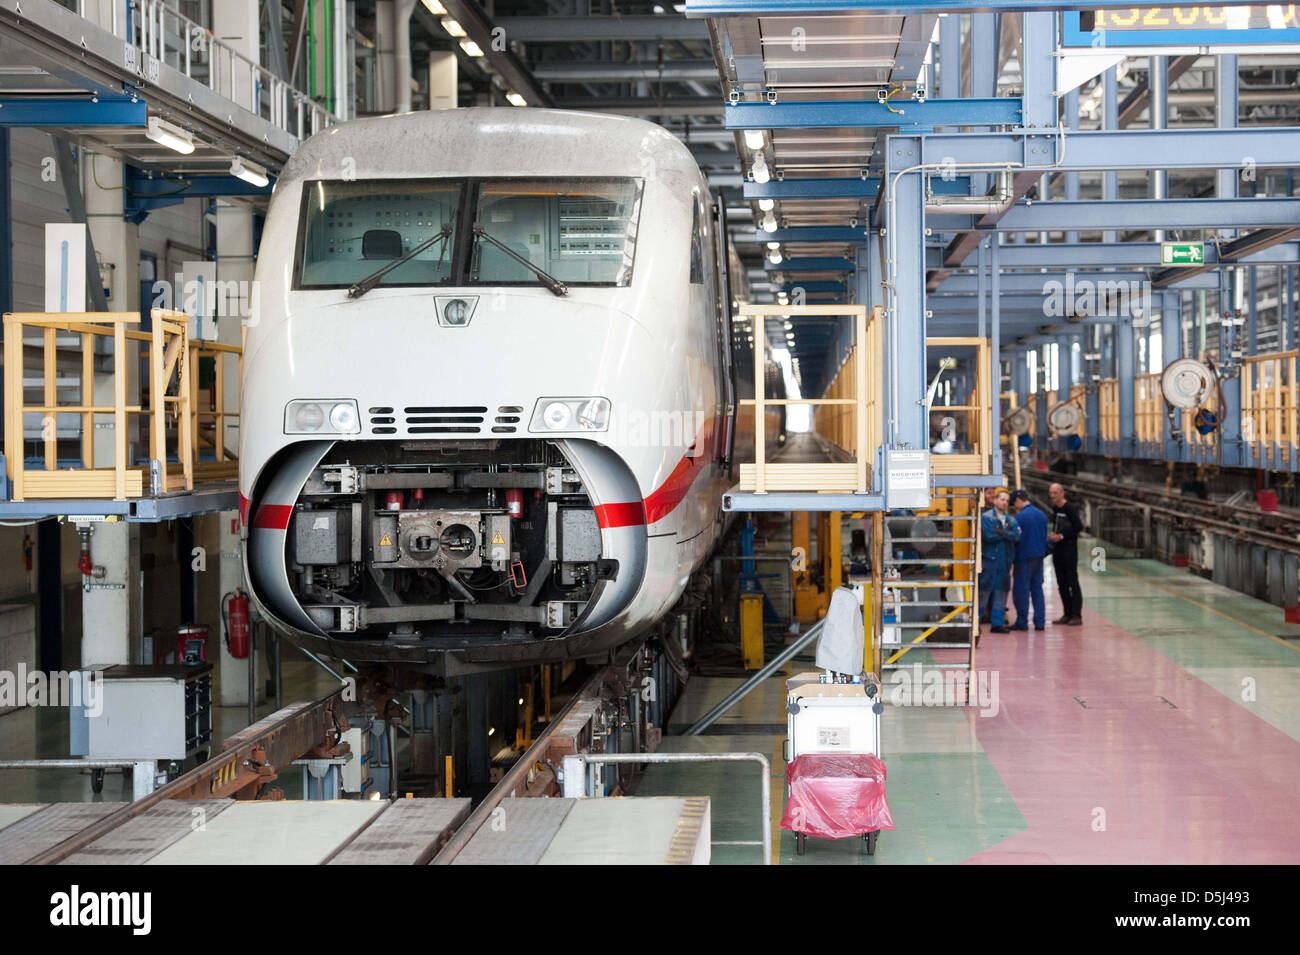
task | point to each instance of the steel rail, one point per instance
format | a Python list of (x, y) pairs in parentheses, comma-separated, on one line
[(1178, 508), (283, 738), (517, 775)]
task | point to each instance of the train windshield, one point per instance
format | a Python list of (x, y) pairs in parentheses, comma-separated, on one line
[(580, 231), (351, 230)]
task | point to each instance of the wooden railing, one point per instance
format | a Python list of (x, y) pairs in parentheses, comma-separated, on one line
[(204, 420), (860, 397), (1269, 393), (1108, 408), (978, 459), (1148, 409), (172, 377)]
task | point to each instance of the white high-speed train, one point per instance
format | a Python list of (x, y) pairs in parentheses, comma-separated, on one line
[(487, 402)]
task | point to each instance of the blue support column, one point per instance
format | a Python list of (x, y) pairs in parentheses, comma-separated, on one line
[(1126, 373), (983, 71), (1225, 116), (1158, 84), (1110, 121), (950, 56), (1092, 377), (1288, 286), (906, 249), (981, 282), (1230, 414), (995, 350), (870, 256), (6, 227), (1171, 345), (1072, 178), (1252, 311), (1038, 69)]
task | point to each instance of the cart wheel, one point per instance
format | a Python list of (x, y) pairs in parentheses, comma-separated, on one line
[(800, 843), (97, 780), (870, 840)]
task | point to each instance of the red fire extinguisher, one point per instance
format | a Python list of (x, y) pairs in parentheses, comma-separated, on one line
[(236, 620)]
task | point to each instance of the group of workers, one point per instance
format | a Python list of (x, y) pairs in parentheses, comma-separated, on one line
[(1014, 547)]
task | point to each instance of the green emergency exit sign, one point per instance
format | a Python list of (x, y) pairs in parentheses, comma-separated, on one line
[(1182, 253)]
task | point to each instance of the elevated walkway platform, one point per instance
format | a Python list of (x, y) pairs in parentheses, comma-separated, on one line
[(102, 79)]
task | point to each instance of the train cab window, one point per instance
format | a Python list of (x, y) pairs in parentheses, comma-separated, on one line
[(578, 231), (697, 246), (351, 229)]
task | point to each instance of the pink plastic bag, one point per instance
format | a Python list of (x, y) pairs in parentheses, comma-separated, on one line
[(836, 796)]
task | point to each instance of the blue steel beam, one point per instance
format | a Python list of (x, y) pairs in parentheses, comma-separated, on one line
[(59, 112), (1068, 255), (867, 188), (754, 8), (816, 288), (812, 264), (1059, 215), (813, 189), (1140, 149), (144, 193), (869, 114), (810, 233)]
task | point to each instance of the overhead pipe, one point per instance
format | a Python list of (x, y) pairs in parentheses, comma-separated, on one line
[(1002, 200), (403, 10)]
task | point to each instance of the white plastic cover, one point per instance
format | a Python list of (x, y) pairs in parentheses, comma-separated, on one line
[(840, 646)]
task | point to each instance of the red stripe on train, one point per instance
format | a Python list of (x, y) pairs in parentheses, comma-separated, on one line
[(661, 501), (273, 517), (630, 514)]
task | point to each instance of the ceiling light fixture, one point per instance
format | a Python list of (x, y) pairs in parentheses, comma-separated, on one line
[(170, 135), (249, 171)]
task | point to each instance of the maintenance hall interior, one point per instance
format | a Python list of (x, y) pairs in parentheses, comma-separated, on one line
[(733, 432)]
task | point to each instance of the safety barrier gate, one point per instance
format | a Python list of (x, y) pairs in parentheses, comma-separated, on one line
[(172, 381), (854, 429)]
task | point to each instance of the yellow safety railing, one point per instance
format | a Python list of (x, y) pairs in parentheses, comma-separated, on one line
[(1269, 393), (169, 386), (977, 455), (1108, 408), (1148, 409), (859, 394), (208, 425)]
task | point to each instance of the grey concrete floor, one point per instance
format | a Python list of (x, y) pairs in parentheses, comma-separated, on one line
[(42, 733)]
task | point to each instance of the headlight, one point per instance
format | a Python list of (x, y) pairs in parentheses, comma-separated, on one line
[(323, 416), (570, 414), (456, 312), (343, 417)]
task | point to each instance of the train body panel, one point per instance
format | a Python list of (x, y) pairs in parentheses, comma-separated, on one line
[(407, 470)]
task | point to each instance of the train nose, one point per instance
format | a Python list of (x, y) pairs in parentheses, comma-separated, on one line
[(420, 547)]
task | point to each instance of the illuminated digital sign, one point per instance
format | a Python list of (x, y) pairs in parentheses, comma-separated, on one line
[(1185, 26)]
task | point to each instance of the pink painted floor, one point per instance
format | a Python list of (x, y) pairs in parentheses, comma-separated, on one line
[(1193, 778)]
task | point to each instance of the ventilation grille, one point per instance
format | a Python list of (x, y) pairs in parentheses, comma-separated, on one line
[(506, 419), (444, 419)]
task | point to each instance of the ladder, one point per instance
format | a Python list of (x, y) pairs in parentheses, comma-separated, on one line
[(931, 592)]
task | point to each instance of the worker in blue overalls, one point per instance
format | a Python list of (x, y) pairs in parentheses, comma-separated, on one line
[(1027, 581), (1000, 534)]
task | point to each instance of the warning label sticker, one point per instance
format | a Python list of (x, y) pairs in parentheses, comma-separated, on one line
[(498, 539), (385, 541)]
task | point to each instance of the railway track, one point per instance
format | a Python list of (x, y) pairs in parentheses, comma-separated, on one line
[(1277, 530), (608, 713)]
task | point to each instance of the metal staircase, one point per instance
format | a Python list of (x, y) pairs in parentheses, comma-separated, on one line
[(930, 592)]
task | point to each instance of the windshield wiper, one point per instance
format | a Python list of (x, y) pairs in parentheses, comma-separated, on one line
[(374, 278), (547, 279)]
